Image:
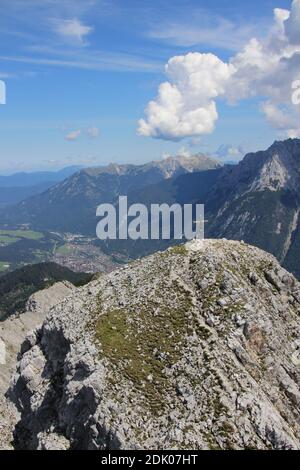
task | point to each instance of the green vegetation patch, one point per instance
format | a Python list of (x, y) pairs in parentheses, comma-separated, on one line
[(8, 240), (4, 266), (145, 341), (179, 250), (29, 234), (64, 250)]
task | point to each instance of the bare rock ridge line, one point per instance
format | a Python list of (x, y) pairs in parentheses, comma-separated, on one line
[(197, 347)]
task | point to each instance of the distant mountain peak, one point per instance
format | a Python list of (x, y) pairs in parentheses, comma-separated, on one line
[(70, 206), (273, 175), (287, 143), (169, 164), (273, 169), (280, 167)]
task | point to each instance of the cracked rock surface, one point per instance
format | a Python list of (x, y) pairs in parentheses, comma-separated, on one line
[(13, 332), (194, 348)]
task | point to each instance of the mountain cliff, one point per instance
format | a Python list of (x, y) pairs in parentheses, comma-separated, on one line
[(193, 348), (13, 331), (259, 201)]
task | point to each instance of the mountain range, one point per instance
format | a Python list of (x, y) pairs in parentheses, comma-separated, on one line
[(257, 200), (23, 179), (70, 206)]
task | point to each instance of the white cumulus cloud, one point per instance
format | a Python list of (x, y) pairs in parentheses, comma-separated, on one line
[(292, 24), (186, 104), (282, 120)]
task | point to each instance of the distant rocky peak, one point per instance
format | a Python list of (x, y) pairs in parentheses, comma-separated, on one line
[(281, 169), (292, 146), (274, 169), (273, 175), (189, 164)]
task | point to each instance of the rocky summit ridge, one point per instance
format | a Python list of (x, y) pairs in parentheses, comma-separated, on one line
[(193, 348)]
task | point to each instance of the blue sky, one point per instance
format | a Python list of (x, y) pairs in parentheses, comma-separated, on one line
[(79, 75)]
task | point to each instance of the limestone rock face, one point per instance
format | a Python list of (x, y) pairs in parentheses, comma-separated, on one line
[(258, 201), (13, 332), (194, 348)]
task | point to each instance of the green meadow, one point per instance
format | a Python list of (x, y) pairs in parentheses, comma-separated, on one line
[(17, 234), (3, 266)]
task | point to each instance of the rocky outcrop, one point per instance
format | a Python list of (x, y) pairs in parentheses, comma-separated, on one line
[(196, 347), (13, 332)]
